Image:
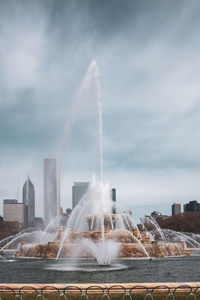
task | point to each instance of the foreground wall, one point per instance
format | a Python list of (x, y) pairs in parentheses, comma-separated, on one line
[(152, 291)]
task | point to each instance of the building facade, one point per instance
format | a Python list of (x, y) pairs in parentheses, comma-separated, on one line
[(192, 206), (113, 196), (13, 211), (78, 191), (80, 188), (51, 190), (176, 208), (28, 196), (68, 211)]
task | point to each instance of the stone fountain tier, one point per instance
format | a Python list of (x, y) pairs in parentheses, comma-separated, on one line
[(120, 236), (109, 221), (154, 249), (129, 247)]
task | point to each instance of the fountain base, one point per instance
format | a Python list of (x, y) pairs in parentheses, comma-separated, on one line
[(129, 246)]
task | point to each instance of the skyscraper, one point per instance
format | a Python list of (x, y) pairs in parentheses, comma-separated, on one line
[(28, 195), (113, 196), (78, 190), (192, 206), (51, 190), (176, 208)]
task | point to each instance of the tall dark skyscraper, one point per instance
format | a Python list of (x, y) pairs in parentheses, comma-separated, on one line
[(80, 188), (28, 195), (192, 206), (113, 196), (51, 190), (78, 191)]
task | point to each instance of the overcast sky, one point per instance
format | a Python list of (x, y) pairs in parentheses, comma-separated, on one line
[(149, 57)]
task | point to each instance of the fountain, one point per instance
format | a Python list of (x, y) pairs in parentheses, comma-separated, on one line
[(97, 227), (94, 231)]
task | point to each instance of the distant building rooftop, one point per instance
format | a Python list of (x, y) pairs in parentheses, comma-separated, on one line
[(156, 214), (81, 183), (128, 212), (39, 220), (10, 201)]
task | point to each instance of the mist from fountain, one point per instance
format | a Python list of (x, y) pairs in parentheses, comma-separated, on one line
[(103, 251)]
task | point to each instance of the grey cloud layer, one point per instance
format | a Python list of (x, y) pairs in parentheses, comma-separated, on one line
[(149, 58)]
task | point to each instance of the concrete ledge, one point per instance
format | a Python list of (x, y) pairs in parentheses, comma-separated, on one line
[(99, 288)]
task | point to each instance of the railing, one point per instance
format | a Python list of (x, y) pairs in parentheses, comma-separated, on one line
[(100, 292)]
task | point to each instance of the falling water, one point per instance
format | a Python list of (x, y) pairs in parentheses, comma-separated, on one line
[(95, 203), (36, 236), (152, 221), (30, 234), (184, 236), (11, 237), (93, 74), (99, 102), (103, 251)]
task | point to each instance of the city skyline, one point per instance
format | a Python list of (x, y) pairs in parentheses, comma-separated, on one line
[(51, 189), (148, 54)]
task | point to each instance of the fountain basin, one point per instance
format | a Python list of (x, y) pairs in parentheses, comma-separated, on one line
[(75, 246)]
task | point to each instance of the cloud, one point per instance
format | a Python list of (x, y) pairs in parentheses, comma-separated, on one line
[(149, 62), (22, 46)]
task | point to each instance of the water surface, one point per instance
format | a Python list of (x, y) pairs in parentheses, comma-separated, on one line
[(86, 271)]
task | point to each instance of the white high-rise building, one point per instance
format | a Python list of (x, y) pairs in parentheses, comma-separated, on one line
[(13, 211), (51, 190)]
